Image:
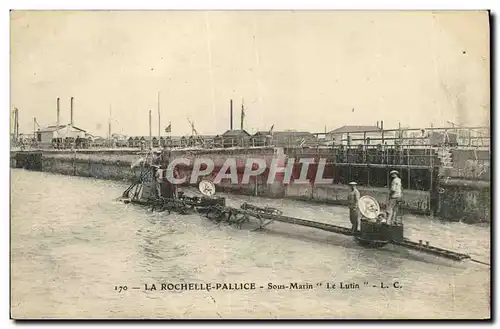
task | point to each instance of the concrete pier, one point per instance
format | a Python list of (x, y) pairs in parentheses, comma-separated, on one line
[(465, 200), (113, 165)]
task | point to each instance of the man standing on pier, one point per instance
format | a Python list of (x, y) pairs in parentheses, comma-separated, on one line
[(395, 196), (157, 178), (156, 158), (353, 198)]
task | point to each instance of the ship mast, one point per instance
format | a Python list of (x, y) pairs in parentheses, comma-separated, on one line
[(109, 127)]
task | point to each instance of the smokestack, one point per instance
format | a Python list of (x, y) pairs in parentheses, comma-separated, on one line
[(71, 107), (231, 114), (159, 120), (382, 124), (16, 123), (242, 113), (58, 113), (377, 125)]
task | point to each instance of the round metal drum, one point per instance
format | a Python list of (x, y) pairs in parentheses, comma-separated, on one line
[(369, 207), (207, 188)]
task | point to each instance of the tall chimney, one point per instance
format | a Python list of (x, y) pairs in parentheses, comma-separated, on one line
[(71, 107), (231, 114), (58, 113), (377, 125), (382, 124), (16, 123), (242, 114)]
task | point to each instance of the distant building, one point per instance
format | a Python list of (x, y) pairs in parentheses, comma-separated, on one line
[(293, 138), (261, 138), (48, 135), (233, 138), (137, 141), (358, 135), (119, 140), (187, 141), (169, 141), (132, 142), (98, 141), (206, 140)]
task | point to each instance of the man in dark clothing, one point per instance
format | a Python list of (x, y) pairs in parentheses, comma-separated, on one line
[(353, 198), (169, 188)]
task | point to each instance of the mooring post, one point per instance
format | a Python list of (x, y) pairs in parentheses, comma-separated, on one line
[(408, 163), (434, 202), (368, 176), (364, 147)]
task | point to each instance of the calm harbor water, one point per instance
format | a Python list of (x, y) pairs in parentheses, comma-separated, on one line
[(72, 243)]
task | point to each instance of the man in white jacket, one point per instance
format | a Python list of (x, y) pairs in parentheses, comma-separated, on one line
[(395, 196)]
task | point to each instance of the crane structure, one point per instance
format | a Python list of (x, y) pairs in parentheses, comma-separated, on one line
[(16, 124), (194, 133)]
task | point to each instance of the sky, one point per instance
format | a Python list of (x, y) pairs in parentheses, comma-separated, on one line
[(301, 70)]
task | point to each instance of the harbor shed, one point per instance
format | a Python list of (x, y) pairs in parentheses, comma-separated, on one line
[(262, 138), (47, 135), (119, 140), (232, 138), (292, 138), (357, 135), (99, 142), (155, 141)]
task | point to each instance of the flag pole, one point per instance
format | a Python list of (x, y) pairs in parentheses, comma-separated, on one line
[(242, 114), (159, 122), (150, 134)]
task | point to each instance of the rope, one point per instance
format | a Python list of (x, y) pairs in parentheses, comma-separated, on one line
[(480, 262)]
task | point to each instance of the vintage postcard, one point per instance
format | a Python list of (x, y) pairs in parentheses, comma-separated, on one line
[(250, 165)]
